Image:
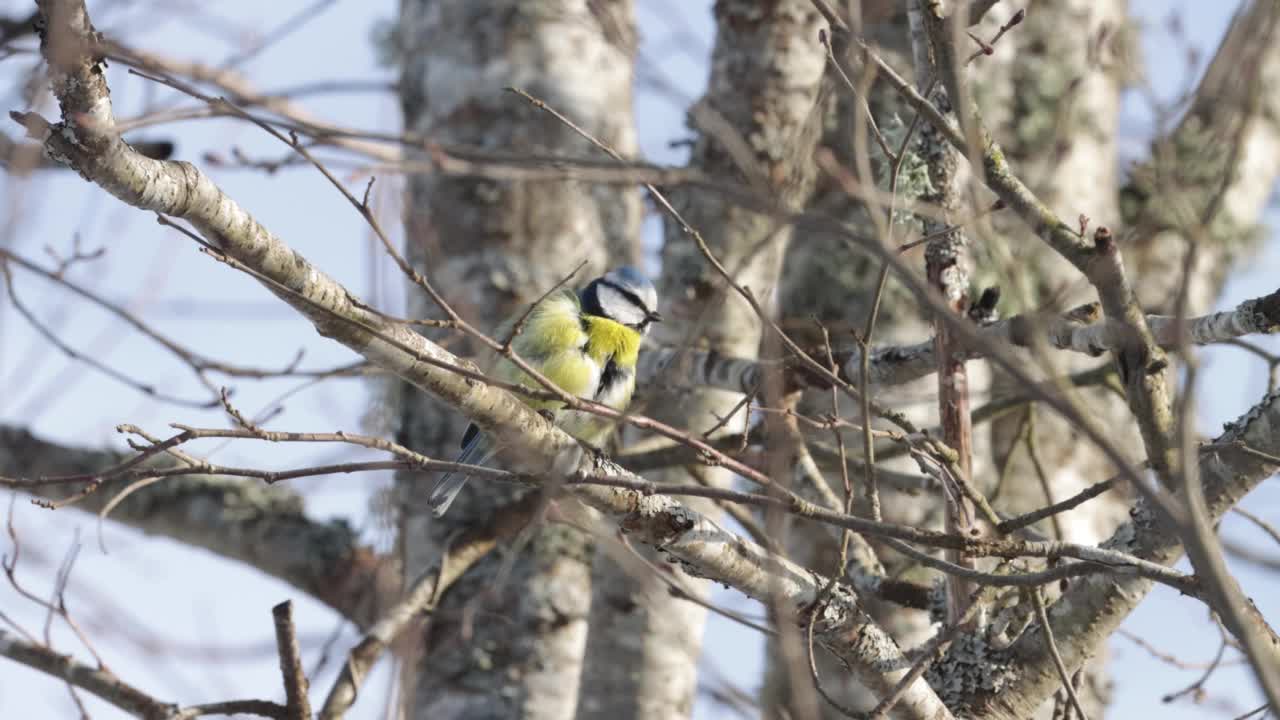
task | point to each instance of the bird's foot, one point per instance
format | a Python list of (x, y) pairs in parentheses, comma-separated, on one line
[(598, 455)]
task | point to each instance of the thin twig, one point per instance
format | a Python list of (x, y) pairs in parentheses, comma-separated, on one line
[(518, 327), (853, 90), (1041, 475), (1043, 616), (1035, 516)]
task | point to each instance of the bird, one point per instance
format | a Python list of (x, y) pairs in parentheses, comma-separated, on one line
[(585, 342)]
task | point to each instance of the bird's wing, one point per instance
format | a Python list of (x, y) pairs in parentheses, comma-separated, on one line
[(477, 449), (552, 341), (561, 304)]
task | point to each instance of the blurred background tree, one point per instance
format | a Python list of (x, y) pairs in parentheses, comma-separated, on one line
[(559, 622)]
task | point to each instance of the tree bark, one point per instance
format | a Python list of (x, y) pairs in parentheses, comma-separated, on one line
[(1053, 99), (509, 638), (757, 123), (1064, 94), (1193, 168), (824, 278), (546, 645)]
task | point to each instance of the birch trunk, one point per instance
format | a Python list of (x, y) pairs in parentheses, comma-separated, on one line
[(1065, 91), (756, 123), (509, 638), (825, 279)]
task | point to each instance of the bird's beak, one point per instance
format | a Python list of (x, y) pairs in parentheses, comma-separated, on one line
[(653, 316)]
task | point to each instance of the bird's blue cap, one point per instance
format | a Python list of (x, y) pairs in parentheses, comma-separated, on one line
[(633, 277)]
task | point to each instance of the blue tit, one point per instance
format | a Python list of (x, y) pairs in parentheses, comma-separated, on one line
[(586, 343)]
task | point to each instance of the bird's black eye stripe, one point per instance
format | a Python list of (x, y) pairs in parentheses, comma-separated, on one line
[(630, 296)]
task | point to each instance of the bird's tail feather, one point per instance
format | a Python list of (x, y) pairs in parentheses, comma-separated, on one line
[(477, 451)]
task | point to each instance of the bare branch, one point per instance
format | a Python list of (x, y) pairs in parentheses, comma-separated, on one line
[(1228, 473), (263, 527), (86, 141), (107, 686), (1079, 330), (1051, 644), (297, 706)]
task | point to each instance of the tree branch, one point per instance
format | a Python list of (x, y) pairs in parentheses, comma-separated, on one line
[(1090, 610), (1081, 330), (104, 684), (86, 141), (246, 521), (297, 705)]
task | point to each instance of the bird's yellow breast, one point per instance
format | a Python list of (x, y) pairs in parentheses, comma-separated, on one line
[(607, 339), (579, 353)]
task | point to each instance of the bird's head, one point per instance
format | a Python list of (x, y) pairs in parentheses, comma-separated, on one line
[(623, 295)]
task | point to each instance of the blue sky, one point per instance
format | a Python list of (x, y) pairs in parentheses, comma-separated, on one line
[(151, 603)]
